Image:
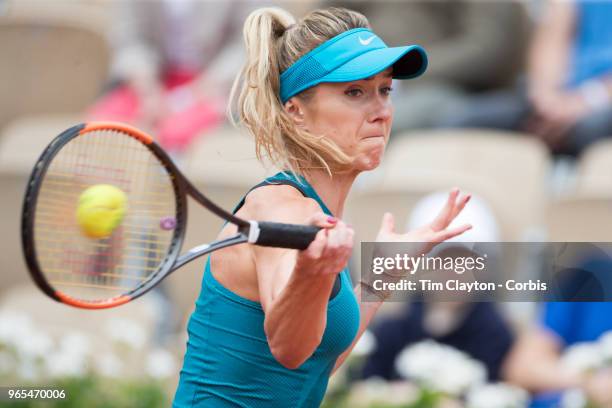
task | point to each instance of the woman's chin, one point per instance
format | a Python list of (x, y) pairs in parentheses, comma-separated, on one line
[(369, 162)]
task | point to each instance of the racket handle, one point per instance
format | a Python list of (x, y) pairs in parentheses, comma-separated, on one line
[(293, 236)]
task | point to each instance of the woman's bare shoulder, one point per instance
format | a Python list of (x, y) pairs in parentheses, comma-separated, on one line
[(280, 203)]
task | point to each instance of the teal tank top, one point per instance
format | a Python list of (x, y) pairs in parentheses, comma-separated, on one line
[(228, 362)]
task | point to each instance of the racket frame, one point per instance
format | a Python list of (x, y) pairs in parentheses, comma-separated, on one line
[(31, 197), (259, 233)]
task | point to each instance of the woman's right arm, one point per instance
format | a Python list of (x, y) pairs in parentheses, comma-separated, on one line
[(294, 286)]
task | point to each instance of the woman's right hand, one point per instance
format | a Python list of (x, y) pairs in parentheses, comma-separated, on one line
[(331, 249)]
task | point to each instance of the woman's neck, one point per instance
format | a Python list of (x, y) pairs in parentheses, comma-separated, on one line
[(332, 190)]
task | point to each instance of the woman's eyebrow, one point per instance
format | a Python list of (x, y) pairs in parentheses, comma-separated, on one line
[(387, 74)]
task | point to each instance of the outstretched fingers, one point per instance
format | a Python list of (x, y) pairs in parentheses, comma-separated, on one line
[(460, 206), (451, 233), (388, 223), (445, 216)]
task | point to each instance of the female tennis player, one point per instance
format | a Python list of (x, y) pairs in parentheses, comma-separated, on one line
[(271, 325)]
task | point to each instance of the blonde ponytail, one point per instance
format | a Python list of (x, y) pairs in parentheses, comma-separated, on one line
[(274, 41)]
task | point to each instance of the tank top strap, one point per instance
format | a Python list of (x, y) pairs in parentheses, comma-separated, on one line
[(307, 189), (288, 178)]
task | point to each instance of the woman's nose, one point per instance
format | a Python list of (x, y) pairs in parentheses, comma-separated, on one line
[(382, 109)]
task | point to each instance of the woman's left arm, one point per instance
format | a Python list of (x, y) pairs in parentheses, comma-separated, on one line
[(430, 235)]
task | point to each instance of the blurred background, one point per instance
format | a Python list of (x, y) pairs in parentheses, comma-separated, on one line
[(516, 108)]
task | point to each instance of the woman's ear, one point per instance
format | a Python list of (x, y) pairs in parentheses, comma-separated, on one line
[(295, 111)]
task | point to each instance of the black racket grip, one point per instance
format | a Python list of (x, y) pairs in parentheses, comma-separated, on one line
[(293, 236)]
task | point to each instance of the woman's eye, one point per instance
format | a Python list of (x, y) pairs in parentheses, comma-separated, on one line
[(354, 92), (386, 90)]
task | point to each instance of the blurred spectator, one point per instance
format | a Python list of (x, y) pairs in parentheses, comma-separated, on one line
[(567, 98), (535, 362), (476, 328), (173, 66), (469, 45)]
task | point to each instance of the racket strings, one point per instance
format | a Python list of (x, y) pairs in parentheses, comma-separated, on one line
[(99, 268)]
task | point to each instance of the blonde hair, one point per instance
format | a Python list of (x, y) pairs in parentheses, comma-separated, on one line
[(274, 41)]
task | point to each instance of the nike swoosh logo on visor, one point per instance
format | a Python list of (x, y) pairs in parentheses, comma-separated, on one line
[(366, 41)]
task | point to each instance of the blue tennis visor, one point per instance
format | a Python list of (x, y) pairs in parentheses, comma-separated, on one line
[(350, 56)]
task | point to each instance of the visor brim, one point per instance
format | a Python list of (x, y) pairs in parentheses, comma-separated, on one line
[(408, 62)]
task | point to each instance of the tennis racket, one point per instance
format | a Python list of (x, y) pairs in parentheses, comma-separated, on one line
[(145, 246)]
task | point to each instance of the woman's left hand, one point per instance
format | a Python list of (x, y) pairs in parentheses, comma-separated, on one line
[(433, 233)]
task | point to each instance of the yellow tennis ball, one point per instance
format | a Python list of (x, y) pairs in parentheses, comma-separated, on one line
[(100, 210)]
